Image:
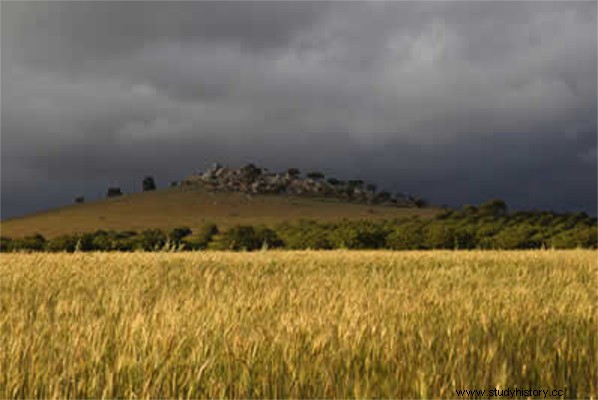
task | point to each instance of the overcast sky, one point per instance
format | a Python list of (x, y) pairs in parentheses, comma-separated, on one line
[(456, 102)]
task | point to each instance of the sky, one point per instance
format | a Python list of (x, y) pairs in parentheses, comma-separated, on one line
[(453, 101)]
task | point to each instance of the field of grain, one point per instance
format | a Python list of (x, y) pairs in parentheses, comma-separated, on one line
[(297, 324)]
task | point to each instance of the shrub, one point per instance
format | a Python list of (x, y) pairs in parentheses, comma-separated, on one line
[(268, 238), (29, 243), (315, 175), (355, 183), (113, 192), (358, 235), (5, 244), (85, 242), (406, 236), (33, 243), (580, 236), (305, 235), (516, 237), (446, 213), (439, 236), (465, 237), (176, 235), (148, 184), (62, 243), (382, 197), (150, 239), (102, 241), (420, 203), (251, 172), (496, 208), (125, 241), (245, 237), (293, 172), (240, 237), (202, 238)]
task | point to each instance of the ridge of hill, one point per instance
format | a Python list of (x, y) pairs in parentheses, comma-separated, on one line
[(227, 197), (193, 206)]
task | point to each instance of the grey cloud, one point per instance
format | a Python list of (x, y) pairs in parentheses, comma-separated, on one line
[(456, 101), (71, 35)]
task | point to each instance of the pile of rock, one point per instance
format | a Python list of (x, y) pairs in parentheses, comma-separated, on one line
[(254, 180)]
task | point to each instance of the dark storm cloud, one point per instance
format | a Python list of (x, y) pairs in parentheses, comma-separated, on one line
[(457, 101)]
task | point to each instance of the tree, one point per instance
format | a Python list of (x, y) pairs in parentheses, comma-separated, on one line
[(439, 236), (406, 236), (268, 238), (202, 238), (148, 184), (176, 235), (293, 173), (333, 181), (358, 235), (79, 199), (579, 236), (151, 240), (316, 175), (496, 208), (519, 236), (251, 172), (371, 187), (420, 203), (305, 235), (469, 209), (62, 243), (113, 192), (125, 240), (382, 197), (5, 244), (355, 183), (241, 237), (34, 243)]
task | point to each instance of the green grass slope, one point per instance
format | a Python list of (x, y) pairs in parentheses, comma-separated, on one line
[(192, 207)]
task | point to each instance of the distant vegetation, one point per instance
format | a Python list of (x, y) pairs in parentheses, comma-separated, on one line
[(113, 192), (488, 226), (148, 184)]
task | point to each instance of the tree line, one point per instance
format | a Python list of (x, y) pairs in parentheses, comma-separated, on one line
[(488, 226)]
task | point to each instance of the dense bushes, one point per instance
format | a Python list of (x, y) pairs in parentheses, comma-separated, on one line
[(202, 238), (246, 237), (485, 227), (305, 235), (28, 243), (406, 236)]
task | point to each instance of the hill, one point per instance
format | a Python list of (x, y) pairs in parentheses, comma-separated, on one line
[(194, 205)]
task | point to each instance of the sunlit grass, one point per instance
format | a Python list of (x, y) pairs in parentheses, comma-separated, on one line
[(296, 324)]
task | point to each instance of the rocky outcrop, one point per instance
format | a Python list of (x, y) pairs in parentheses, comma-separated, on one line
[(253, 180)]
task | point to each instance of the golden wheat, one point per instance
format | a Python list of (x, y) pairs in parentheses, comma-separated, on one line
[(296, 324)]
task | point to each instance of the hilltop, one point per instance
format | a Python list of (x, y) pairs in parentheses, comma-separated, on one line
[(226, 197), (254, 180)]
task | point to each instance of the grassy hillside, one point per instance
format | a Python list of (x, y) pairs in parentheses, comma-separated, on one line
[(193, 207), (339, 324)]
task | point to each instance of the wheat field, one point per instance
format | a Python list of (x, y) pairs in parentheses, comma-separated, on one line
[(304, 324)]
